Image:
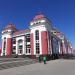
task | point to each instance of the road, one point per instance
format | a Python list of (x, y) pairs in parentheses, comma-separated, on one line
[(53, 67)]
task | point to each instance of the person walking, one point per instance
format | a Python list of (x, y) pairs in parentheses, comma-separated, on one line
[(39, 59), (44, 59)]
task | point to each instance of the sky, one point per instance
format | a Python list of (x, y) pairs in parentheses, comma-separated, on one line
[(21, 12)]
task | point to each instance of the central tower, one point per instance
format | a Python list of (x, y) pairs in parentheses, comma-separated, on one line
[(39, 26)]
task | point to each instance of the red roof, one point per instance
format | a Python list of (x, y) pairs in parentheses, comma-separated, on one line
[(10, 26), (21, 32), (40, 16)]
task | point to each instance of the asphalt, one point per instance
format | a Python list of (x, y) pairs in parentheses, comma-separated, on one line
[(53, 67)]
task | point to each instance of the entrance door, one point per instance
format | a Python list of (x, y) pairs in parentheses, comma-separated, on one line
[(20, 47)]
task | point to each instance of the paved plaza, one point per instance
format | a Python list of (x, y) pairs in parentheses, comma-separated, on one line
[(53, 67)]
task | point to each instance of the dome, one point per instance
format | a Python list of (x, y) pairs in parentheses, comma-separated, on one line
[(40, 16), (10, 26)]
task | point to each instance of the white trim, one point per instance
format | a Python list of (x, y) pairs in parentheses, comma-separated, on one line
[(34, 44), (19, 35), (6, 35), (2, 47), (28, 43), (50, 45), (24, 48), (23, 44), (59, 47), (40, 42), (6, 47), (48, 42), (28, 54), (14, 44), (40, 28), (16, 47)]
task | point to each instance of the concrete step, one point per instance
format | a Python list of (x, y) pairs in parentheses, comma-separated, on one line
[(12, 59), (7, 65)]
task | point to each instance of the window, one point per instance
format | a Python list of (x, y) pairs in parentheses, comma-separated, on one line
[(37, 23), (27, 48), (14, 40), (36, 35), (14, 50), (14, 47), (37, 41), (20, 49), (4, 38), (27, 45), (20, 41), (55, 46), (37, 48), (4, 48), (27, 37)]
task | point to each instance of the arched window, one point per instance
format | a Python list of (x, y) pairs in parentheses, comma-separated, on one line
[(4, 37), (20, 41), (37, 34), (20, 46)]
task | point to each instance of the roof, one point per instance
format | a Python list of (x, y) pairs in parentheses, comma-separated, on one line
[(21, 32), (10, 26), (38, 16)]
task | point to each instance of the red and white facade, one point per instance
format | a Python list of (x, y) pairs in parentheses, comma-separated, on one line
[(37, 40)]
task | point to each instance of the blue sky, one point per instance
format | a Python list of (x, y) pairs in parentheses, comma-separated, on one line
[(21, 12)]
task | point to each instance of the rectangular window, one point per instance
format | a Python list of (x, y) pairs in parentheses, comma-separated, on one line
[(37, 48), (37, 37), (37, 41), (14, 40), (55, 46), (28, 49), (14, 50), (27, 37), (20, 49), (4, 48)]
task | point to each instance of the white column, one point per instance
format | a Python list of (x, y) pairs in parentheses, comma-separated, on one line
[(40, 42), (34, 43), (24, 46), (2, 47), (50, 46), (59, 47), (16, 47), (6, 47)]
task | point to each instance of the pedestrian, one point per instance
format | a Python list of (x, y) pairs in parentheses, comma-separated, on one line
[(39, 59), (44, 59)]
